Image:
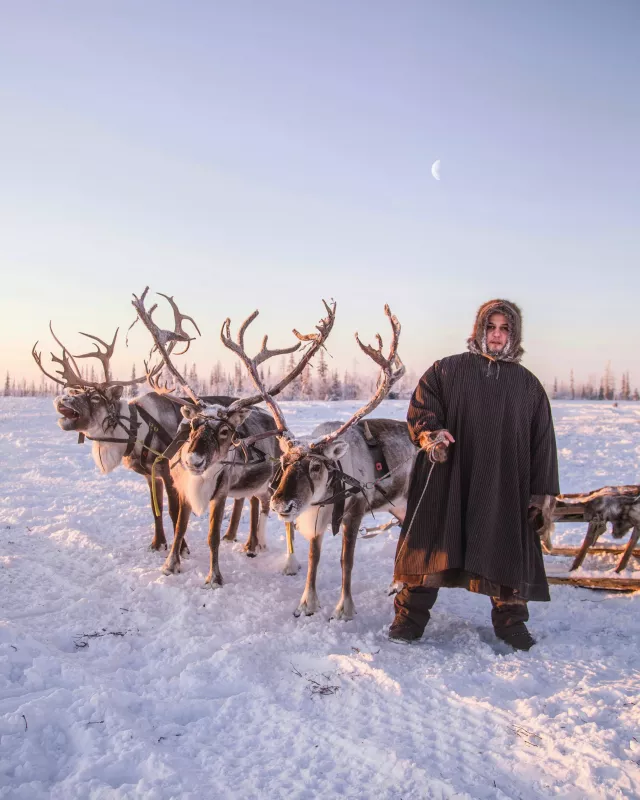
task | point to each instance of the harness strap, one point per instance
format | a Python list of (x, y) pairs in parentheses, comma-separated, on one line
[(379, 461), (133, 429), (130, 441), (155, 429)]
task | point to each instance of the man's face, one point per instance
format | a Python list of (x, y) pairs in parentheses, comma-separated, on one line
[(497, 333)]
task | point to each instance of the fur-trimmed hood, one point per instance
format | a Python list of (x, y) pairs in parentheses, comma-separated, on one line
[(477, 342)]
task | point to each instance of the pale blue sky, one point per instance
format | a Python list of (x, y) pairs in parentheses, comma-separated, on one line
[(265, 154)]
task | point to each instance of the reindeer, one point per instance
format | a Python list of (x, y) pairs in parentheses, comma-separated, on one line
[(341, 472), (208, 470), (122, 432)]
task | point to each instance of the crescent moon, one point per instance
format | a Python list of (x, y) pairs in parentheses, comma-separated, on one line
[(435, 169)]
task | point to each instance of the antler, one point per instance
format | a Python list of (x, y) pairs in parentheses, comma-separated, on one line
[(152, 377), (252, 365), (69, 373), (324, 329), (178, 318), (392, 369), (164, 341), (103, 357)]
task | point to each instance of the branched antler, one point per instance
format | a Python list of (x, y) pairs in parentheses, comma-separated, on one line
[(103, 357), (178, 318), (70, 372), (324, 329), (392, 369), (252, 365), (164, 342)]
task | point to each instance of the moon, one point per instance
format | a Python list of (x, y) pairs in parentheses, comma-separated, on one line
[(435, 169)]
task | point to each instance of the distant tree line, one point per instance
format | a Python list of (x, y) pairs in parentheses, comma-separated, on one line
[(605, 388), (320, 382), (317, 382)]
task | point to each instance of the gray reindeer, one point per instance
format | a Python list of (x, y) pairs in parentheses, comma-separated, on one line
[(127, 433), (341, 472), (219, 456)]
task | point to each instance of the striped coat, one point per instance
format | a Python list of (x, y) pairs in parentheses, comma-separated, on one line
[(472, 528)]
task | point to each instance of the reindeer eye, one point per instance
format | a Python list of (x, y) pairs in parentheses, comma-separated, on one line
[(95, 399), (224, 431), (315, 468)]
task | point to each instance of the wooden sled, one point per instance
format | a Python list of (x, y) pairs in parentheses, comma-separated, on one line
[(618, 505)]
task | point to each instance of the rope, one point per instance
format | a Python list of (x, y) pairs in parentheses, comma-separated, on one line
[(415, 511), (372, 484)]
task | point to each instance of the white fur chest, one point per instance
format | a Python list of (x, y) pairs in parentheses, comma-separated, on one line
[(197, 489), (107, 455)]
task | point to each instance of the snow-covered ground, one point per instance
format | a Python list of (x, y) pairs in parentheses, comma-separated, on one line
[(116, 681)]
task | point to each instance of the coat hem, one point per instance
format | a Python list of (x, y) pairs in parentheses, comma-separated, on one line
[(472, 582)]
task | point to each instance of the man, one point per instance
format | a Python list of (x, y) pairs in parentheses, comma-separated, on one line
[(483, 488)]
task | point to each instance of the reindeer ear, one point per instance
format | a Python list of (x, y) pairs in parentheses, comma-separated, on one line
[(238, 417), (188, 412), (114, 393), (335, 449)]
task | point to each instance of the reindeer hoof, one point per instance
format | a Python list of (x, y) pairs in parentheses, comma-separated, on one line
[(253, 550), (184, 549), (308, 608), (229, 539), (215, 583), (291, 567), (156, 546), (344, 612), (171, 567)]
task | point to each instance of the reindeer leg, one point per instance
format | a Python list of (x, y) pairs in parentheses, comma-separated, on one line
[(236, 514), (262, 520), (594, 531), (172, 564), (159, 541), (346, 608), (173, 500), (216, 515), (633, 540), (254, 520), (291, 566), (309, 601)]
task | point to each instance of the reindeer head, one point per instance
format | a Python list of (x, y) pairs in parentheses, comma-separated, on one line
[(305, 476), (212, 430), (86, 406)]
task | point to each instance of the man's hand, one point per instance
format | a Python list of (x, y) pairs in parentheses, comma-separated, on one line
[(436, 444)]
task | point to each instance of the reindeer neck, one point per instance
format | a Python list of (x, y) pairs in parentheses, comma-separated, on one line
[(313, 521)]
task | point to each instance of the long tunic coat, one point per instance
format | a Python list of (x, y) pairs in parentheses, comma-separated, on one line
[(472, 527)]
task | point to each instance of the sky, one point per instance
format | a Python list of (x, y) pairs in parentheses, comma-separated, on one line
[(268, 154)]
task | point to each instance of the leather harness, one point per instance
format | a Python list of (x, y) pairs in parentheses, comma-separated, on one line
[(154, 429)]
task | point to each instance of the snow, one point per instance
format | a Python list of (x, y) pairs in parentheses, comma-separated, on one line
[(119, 682)]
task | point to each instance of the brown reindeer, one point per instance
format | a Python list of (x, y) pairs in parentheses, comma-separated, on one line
[(122, 432), (210, 466), (341, 472)]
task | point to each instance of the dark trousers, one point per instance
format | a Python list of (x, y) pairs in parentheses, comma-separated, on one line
[(414, 603)]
